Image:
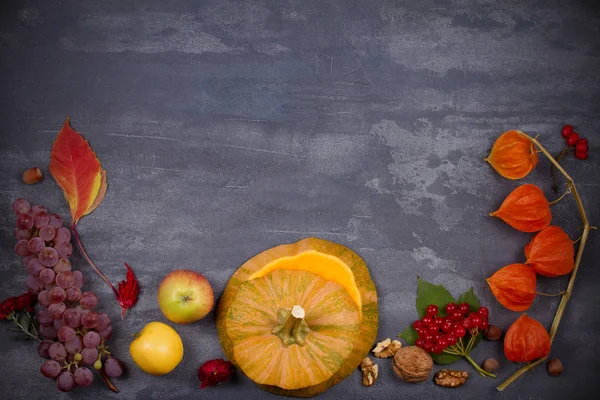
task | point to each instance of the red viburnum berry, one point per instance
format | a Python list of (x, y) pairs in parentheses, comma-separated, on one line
[(572, 139), (566, 131)]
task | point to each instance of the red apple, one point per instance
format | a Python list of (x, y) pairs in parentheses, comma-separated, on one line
[(185, 296)]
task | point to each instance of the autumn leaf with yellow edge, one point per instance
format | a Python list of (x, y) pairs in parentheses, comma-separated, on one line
[(78, 172)]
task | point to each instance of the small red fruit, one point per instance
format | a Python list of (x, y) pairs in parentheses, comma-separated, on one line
[(483, 312), (451, 340), (581, 145), (428, 347), (459, 331), (433, 328), (427, 320), (442, 342), (428, 338), (447, 326), (475, 321), (418, 324), (463, 308), (456, 316), (420, 343), (483, 324), (566, 131), (581, 155), (466, 323), (450, 307), (572, 139), (437, 349), (432, 310), (438, 321)]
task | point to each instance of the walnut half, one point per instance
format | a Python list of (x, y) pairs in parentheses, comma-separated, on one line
[(386, 348), (369, 370), (450, 378)]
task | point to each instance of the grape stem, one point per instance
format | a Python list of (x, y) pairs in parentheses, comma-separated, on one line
[(110, 385), (87, 258), (567, 294)]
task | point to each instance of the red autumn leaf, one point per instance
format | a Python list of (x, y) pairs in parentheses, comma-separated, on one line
[(129, 289), (77, 170), (526, 340), (213, 372), (550, 252), (525, 209), (514, 286)]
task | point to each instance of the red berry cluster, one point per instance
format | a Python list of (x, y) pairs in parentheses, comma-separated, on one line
[(436, 333), (573, 139)]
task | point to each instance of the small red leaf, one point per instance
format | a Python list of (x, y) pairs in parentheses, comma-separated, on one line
[(129, 289)]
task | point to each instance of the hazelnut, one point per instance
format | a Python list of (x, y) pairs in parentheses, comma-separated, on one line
[(32, 175), (555, 367), (492, 332), (412, 364), (491, 365)]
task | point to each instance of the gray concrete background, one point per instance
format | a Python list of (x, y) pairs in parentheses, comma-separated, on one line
[(228, 127)]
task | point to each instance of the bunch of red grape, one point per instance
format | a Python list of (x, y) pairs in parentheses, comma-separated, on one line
[(74, 334), (437, 333)]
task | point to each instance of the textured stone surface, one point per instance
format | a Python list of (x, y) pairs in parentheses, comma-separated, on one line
[(230, 127)]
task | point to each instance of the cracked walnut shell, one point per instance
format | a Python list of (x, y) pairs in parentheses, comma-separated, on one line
[(412, 364), (387, 348), (450, 378)]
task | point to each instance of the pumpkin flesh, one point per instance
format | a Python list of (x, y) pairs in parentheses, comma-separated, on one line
[(257, 329)]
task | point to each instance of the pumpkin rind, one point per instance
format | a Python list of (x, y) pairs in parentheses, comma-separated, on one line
[(331, 316), (368, 295)]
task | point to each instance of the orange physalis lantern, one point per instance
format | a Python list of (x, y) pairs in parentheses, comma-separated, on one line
[(513, 155), (525, 209), (550, 252), (514, 286), (526, 340)]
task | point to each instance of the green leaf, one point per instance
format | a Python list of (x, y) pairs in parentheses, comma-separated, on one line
[(25, 321), (428, 293), (470, 298), (409, 335), (444, 358)]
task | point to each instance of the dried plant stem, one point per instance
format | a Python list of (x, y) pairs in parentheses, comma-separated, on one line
[(567, 295), (560, 155), (87, 258), (551, 294)]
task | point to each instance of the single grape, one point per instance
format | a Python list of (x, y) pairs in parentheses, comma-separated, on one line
[(65, 382), (34, 267), (47, 232), (23, 234), (44, 316), (36, 209), (62, 265), (74, 345), (64, 249), (66, 333), (48, 331), (62, 235), (48, 256), (21, 206), (57, 294), (33, 284), (47, 275), (43, 348), (65, 279), (35, 244), (91, 339), (50, 369), (72, 317), (22, 248), (77, 357), (83, 376), (27, 259), (106, 333), (89, 319), (24, 221), (56, 221), (49, 286), (57, 310), (98, 364), (57, 351), (103, 322), (73, 293), (88, 300), (40, 219), (78, 279), (89, 355), (113, 368), (59, 323)]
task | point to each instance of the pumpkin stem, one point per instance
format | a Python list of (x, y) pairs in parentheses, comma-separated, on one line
[(292, 328)]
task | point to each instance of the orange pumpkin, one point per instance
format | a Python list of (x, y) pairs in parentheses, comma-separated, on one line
[(299, 318)]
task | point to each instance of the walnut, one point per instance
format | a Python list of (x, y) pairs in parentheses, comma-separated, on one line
[(386, 348), (369, 370), (412, 364), (450, 378)]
